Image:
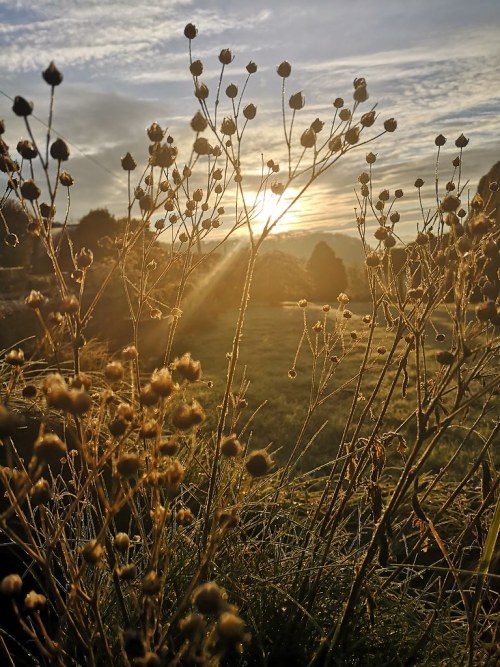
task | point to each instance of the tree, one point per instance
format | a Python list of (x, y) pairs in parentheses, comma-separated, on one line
[(94, 226), (327, 272)]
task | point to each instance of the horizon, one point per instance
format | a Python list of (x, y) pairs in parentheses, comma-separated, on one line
[(124, 70)]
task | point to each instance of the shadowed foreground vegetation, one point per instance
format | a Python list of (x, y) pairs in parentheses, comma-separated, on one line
[(303, 486)]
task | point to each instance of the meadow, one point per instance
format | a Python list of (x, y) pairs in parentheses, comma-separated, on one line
[(303, 485)]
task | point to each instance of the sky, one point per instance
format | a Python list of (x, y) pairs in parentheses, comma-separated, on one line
[(434, 65)]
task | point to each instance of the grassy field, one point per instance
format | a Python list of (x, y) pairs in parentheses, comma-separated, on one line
[(269, 345)]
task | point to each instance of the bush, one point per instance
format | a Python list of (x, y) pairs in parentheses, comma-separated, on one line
[(151, 530)]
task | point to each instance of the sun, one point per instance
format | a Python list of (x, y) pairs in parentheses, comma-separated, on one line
[(270, 207)]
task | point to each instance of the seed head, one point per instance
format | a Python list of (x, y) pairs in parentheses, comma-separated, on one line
[(308, 138), (251, 67), (250, 111), (372, 260), (196, 68), (50, 448), (10, 585), (162, 383), (184, 517), (284, 69), (352, 136), (258, 463), (461, 141), (226, 57), (35, 299), (232, 91), (230, 630), (230, 446), (371, 158), (368, 119), (22, 107), (52, 75), (201, 91), (297, 101), (338, 103), (114, 371), (335, 144), (188, 367), (30, 190), (209, 599), (128, 163), (34, 601), (154, 132), (128, 572), (59, 150), (228, 126), (202, 147), (66, 180), (128, 464), (345, 115), (26, 150), (390, 125), (92, 552), (440, 140), (418, 183), (151, 584), (190, 31), (84, 258), (450, 204)]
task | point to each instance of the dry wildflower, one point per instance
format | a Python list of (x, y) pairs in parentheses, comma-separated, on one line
[(338, 103), (69, 305), (35, 299), (258, 463), (59, 150), (34, 601), (14, 357), (352, 136), (381, 233), (188, 368), (84, 258), (30, 190), (92, 552), (346, 314), (128, 464), (190, 31), (335, 144), (121, 542), (10, 585), (230, 446), (440, 140), (230, 629), (22, 107), (187, 415), (251, 67), (66, 179), (317, 125), (367, 119), (480, 224), (193, 626), (371, 158), (250, 111), (318, 327), (345, 115), (114, 371), (52, 75), (450, 204), (343, 298), (201, 146), (169, 447), (308, 138), (209, 599), (49, 448), (284, 69), (128, 163), (154, 132), (302, 303), (201, 91), (226, 57), (232, 91), (297, 101), (461, 141), (26, 150), (390, 125), (228, 126), (162, 383), (196, 68)]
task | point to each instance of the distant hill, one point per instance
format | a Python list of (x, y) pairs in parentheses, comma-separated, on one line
[(301, 245)]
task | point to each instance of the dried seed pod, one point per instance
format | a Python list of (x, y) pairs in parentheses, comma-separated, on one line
[(49, 448), (250, 111), (190, 31), (34, 601), (155, 133), (284, 69), (66, 180), (59, 150), (390, 125), (30, 190), (92, 552), (230, 446), (114, 371), (210, 599), (52, 75), (188, 367), (10, 585), (445, 358), (297, 101), (258, 463), (196, 68), (22, 107), (162, 383), (251, 67), (226, 57), (128, 464), (128, 163)]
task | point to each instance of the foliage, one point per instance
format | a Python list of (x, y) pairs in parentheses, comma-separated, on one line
[(327, 272), (150, 524)]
